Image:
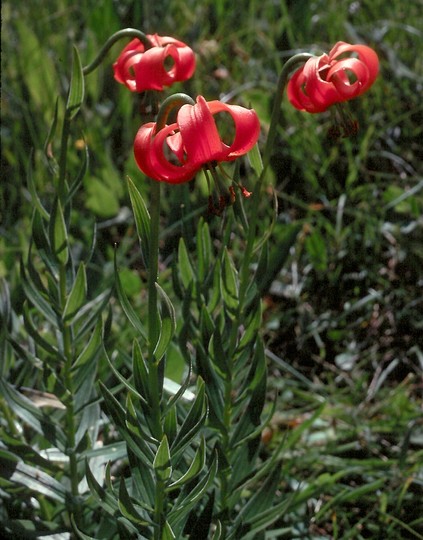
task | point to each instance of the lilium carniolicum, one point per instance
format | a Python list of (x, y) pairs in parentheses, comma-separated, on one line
[(332, 78), (175, 153), (140, 68)]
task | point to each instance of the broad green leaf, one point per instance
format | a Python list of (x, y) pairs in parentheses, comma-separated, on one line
[(142, 219), (185, 269), (76, 88), (197, 465), (77, 295), (126, 306), (162, 465), (167, 324), (229, 283), (34, 478), (58, 233)]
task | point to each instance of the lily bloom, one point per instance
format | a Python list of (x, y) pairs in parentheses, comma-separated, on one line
[(167, 61), (333, 78), (175, 153)]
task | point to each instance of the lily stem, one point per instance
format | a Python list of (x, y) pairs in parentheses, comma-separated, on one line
[(125, 33)]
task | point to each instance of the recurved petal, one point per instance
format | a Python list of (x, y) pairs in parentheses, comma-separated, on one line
[(247, 128)]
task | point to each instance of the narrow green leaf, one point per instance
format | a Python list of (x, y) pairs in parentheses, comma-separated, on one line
[(41, 241), (34, 478), (185, 269), (77, 295), (161, 463), (79, 534), (126, 306), (132, 438), (218, 356), (140, 371), (142, 219), (167, 324), (194, 420), (92, 348), (122, 379), (215, 296), (106, 499), (76, 184), (48, 150), (229, 283), (127, 508), (34, 417), (35, 297), (76, 88), (33, 191), (197, 465), (36, 334), (58, 233), (254, 157), (203, 250), (187, 501), (167, 533)]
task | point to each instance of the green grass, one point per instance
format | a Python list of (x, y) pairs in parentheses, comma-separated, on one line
[(344, 319)]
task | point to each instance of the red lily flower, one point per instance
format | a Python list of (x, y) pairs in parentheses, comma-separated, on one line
[(328, 79), (176, 152), (142, 69)]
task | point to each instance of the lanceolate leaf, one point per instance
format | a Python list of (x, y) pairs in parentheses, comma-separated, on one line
[(195, 468), (142, 219), (34, 417), (35, 297), (126, 306), (34, 478), (32, 189), (167, 324), (77, 295), (229, 283), (184, 264), (58, 233), (161, 463), (76, 89), (127, 508)]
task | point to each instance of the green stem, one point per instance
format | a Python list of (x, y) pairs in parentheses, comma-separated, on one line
[(125, 33), (252, 230), (67, 380)]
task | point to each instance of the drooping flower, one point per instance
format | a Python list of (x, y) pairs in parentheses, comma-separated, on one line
[(332, 78), (166, 62), (175, 153)]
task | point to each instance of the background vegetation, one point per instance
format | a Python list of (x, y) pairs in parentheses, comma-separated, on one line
[(344, 317)]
